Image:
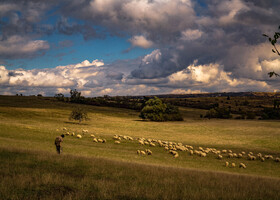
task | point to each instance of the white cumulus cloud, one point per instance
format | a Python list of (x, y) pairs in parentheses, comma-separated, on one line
[(140, 41), (21, 47)]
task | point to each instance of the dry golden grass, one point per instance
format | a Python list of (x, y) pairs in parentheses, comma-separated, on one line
[(29, 165), (43, 175)]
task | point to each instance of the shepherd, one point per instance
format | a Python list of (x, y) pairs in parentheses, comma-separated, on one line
[(57, 143)]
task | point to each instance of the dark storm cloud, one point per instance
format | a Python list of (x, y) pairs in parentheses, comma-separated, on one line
[(66, 28), (14, 74), (114, 75), (206, 45), (160, 20), (232, 34)]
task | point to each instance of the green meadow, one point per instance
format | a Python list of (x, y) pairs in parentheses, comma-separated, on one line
[(30, 168)]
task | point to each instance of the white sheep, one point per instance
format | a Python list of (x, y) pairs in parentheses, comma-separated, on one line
[(224, 151), (230, 155), (79, 136), (92, 135), (143, 152), (117, 142), (181, 148), (84, 131), (64, 128), (268, 157), (100, 140), (191, 152), (277, 159), (242, 165), (173, 152), (232, 164), (94, 140), (202, 154), (141, 142), (207, 150), (220, 157), (176, 155), (226, 164), (116, 137), (250, 157), (149, 152), (152, 144)]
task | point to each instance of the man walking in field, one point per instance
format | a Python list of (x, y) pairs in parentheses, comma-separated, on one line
[(57, 143)]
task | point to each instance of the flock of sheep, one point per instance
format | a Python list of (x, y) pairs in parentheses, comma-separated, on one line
[(84, 131), (174, 148)]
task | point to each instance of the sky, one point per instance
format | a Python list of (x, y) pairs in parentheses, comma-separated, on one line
[(137, 47)]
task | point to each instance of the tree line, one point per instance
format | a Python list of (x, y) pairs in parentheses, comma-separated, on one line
[(152, 109)]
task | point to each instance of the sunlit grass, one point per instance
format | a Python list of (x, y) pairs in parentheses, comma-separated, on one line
[(23, 127), (43, 175)]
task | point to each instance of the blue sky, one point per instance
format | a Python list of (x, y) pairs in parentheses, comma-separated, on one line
[(73, 48), (132, 47)]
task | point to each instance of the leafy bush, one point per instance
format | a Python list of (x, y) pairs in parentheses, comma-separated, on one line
[(59, 97), (76, 97), (222, 113), (251, 115), (156, 110), (270, 113), (78, 114)]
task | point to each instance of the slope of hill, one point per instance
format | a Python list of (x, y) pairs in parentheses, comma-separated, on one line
[(30, 168)]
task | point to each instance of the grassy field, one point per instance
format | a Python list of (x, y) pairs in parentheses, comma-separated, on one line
[(29, 164)]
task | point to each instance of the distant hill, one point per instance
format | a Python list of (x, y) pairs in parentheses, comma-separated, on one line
[(216, 94)]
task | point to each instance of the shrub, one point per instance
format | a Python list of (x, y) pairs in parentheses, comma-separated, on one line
[(78, 114), (59, 97), (270, 113), (251, 115), (76, 97), (222, 113)]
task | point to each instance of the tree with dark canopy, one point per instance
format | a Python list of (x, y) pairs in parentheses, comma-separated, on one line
[(156, 110), (78, 114)]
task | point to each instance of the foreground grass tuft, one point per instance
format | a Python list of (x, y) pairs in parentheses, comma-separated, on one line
[(42, 175)]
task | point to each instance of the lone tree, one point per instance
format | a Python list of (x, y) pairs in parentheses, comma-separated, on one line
[(59, 96), (76, 97), (273, 41), (155, 110), (78, 114)]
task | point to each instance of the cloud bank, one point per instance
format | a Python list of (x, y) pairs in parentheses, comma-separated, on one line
[(196, 46), (97, 79)]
